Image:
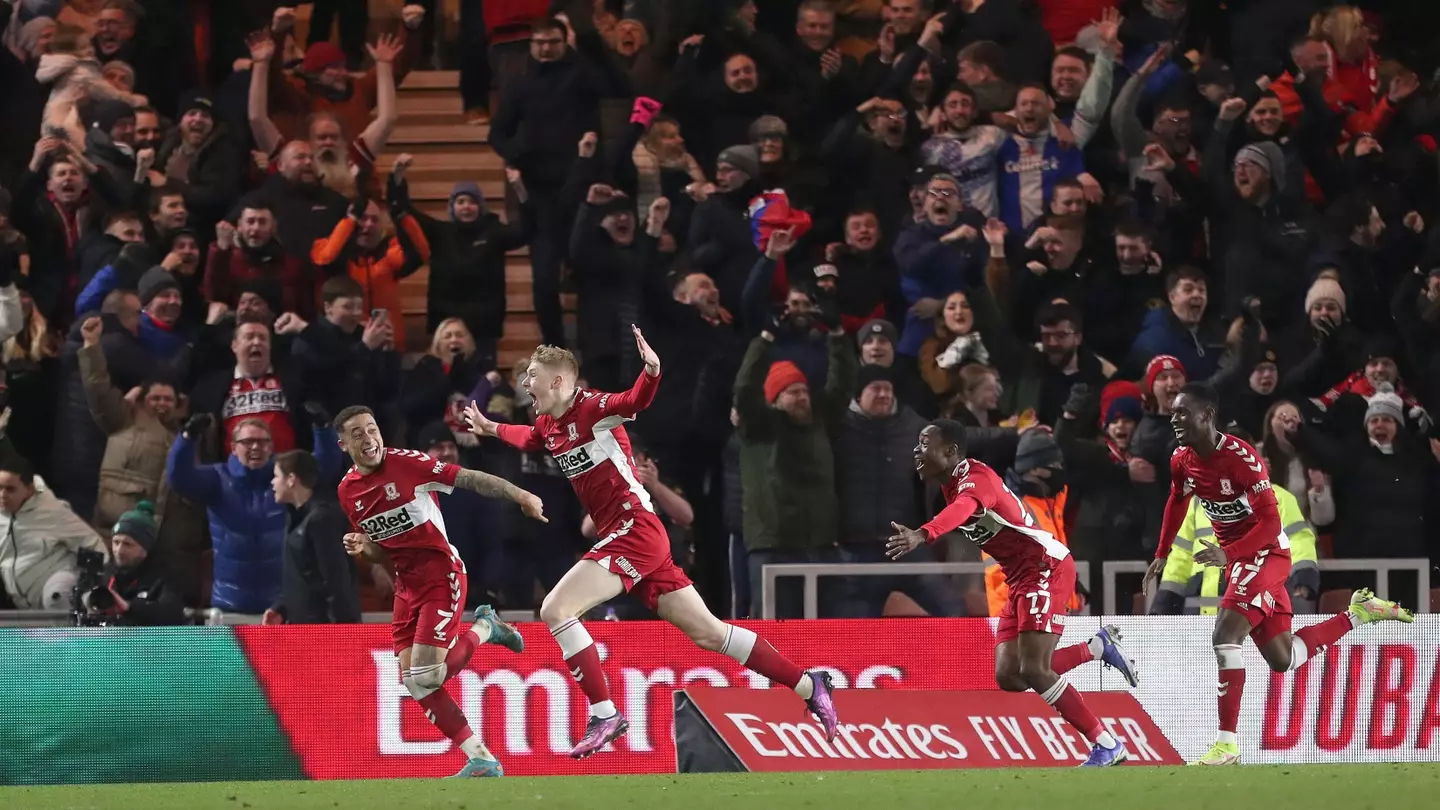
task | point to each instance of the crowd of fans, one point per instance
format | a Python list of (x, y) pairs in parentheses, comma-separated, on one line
[(834, 221)]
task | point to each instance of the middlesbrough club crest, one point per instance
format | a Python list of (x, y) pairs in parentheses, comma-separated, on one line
[(391, 493), (1225, 488)]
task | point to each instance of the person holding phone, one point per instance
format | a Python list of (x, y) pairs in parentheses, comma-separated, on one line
[(344, 357)]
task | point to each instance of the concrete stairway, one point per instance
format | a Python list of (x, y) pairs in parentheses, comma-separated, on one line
[(447, 150)]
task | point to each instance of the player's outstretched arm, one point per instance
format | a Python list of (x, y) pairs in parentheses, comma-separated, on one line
[(523, 437), (491, 486)]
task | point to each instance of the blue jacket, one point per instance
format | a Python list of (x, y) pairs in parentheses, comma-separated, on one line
[(930, 268), (1199, 352), (162, 344), (247, 526)]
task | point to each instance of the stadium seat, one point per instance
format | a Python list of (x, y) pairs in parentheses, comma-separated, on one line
[(1334, 602)]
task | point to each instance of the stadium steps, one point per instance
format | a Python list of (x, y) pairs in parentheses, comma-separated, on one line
[(432, 128)]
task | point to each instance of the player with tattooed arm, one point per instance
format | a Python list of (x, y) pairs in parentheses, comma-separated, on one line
[(391, 497)]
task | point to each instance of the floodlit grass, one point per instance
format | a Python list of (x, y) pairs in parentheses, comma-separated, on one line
[(1314, 787)]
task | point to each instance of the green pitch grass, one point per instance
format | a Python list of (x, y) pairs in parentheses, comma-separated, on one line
[(1337, 787)]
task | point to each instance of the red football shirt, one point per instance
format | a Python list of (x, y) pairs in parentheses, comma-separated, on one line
[(1234, 490)]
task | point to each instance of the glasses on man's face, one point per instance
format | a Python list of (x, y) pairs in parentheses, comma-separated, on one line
[(941, 193), (247, 443)]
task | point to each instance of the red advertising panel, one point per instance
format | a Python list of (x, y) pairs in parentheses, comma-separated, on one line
[(906, 730), (337, 692)]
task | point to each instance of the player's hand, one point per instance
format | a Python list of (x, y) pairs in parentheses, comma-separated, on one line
[(647, 354), (1211, 554), (903, 541), (1152, 577), (531, 506), (479, 423), (356, 543)]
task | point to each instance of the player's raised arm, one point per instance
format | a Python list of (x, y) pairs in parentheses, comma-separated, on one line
[(491, 486), (523, 437), (642, 393)]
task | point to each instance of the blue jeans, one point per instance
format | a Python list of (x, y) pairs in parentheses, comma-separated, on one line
[(790, 591), (864, 597)]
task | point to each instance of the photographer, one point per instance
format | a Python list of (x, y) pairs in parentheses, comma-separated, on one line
[(39, 539), (137, 591)]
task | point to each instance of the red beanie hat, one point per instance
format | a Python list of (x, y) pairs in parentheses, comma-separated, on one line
[(783, 374), (1119, 389), (1161, 362), (321, 55)]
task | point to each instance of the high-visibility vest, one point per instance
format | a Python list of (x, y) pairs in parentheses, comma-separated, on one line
[(1049, 514), (1188, 578)]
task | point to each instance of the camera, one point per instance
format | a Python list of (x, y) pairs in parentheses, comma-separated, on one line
[(91, 590)]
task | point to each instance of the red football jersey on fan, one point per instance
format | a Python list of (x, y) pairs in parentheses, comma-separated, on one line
[(1234, 491), (593, 449), (264, 399), (989, 515), (398, 505)]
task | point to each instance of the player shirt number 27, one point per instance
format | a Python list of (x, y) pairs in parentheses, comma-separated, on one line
[(397, 505)]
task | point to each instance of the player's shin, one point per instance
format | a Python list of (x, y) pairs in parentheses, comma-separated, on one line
[(756, 654), (1229, 690), (1070, 705), (583, 659), (459, 655), (1309, 642), (425, 684)]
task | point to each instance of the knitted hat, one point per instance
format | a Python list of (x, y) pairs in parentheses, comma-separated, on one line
[(1385, 402), (782, 375), (467, 188), (768, 125), (320, 56), (139, 525), (1162, 362), (872, 374), (1036, 449), (1381, 346), (1267, 156), (105, 113), (1325, 289), (269, 290), (1120, 398), (878, 326), (1267, 355), (155, 281), (195, 100), (743, 158), (432, 434)]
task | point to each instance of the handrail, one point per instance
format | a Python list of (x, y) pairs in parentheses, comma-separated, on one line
[(811, 572), (1382, 566), (206, 617)]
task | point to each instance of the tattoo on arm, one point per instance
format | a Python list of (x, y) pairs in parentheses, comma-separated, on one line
[(489, 486)]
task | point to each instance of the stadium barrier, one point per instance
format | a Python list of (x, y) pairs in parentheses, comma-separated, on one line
[(811, 573), (326, 702), (1382, 567)]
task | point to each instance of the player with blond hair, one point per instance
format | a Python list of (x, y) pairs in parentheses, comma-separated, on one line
[(584, 430)]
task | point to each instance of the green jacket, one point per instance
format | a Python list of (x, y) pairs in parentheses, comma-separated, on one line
[(787, 471), (1183, 577)]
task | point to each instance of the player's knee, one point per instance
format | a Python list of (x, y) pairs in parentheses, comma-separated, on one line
[(425, 681), (709, 637), (1011, 682), (554, 612)]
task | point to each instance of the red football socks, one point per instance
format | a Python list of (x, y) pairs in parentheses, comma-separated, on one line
[(767, 661), (1067, 701), (1067, 658), (459, 655), (444, 712), (1228, 693), (585, 667), (1319, 636)]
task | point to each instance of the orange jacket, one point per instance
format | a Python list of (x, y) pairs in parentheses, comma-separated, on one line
[(379, 272), (1050, 516)]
